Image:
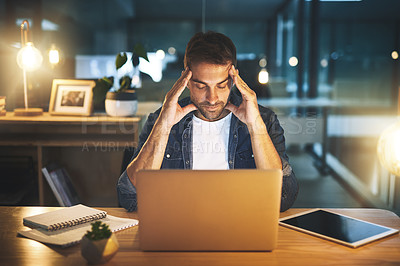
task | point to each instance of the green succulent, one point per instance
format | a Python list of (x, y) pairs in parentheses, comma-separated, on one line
[(99, 231)]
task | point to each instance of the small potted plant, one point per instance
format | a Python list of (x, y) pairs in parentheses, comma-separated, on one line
[(120, 101), (99, 245)]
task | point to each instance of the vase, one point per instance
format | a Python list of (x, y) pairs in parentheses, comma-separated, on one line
[(99, 251), (121, 103)]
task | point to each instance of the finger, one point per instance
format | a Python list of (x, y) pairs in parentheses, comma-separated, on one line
[(234, 70), (186, 77), (235, 76), (185, 71), (242, 86), (232, 108), (184, 74), (189, 108), (181, 84), (232, 74), (182, 78)]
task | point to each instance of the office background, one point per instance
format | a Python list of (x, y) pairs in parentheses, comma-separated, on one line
[(343, 51)]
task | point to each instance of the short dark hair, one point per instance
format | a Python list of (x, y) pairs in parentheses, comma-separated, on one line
[(210, 47)]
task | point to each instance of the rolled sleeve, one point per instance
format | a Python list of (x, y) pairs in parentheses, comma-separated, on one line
[(290, 186), (126, 193), (125, 189)]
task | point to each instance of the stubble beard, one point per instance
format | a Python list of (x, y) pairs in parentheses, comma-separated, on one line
[(210, 115)]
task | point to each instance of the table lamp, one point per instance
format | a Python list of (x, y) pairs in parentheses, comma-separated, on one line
[(29, 59), (389, 146)]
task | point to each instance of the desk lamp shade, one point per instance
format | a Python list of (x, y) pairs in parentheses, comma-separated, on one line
[(29, 59), (389, 146)]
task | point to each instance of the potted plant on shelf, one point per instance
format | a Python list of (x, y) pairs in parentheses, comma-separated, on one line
[(99, 245), (120, 101)]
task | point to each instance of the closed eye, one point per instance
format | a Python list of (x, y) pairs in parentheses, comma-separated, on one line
[(201, 87), (222, 85)]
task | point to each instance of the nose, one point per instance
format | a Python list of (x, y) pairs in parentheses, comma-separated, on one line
[(212, 96)]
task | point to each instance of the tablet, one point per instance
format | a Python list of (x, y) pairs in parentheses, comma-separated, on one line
[(336, 227)]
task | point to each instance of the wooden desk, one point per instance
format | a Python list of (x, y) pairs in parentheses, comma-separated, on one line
[(67, 131), (294, 248)]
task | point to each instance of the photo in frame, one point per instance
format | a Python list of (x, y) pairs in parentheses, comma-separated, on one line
[(71, 97)]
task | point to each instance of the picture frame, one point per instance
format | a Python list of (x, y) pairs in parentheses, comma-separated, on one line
[(71, 97)]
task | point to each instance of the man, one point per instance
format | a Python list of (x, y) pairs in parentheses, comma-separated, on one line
[(215, 128)]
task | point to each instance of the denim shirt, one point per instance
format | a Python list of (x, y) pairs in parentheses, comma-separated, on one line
[(178, 152)]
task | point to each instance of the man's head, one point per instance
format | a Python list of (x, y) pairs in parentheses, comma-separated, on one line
[(210, 56), (210, 47)]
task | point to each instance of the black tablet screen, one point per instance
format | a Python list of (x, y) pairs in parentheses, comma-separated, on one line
[(335, 226)]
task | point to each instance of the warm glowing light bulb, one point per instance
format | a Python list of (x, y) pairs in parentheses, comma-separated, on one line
[(324, 63), (54, 56), (395, 55), (389, 149), (171, 50), (160, 54), (263, 76), (29, 58), (293, 61), (262, 62)]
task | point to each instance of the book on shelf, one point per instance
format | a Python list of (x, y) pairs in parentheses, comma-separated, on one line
[(61, 185), (67, 226)]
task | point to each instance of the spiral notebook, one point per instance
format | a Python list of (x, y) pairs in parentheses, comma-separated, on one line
[(66, 227)]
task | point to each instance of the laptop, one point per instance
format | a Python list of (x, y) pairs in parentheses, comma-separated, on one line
[(208, 210)]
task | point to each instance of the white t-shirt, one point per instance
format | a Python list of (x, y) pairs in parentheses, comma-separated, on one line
[(210, 143)]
